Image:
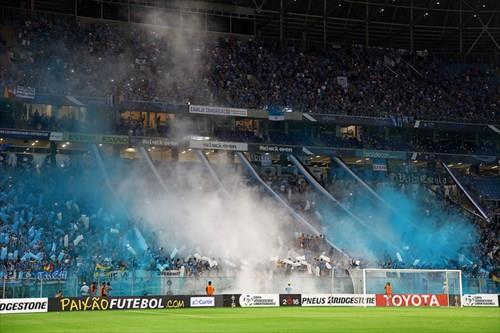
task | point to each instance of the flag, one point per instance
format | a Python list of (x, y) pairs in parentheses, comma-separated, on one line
[(275, 113)]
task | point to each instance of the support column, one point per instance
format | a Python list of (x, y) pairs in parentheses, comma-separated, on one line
[(324, 23), (412, 23), (281, 21), (367, 22), (461, 31)]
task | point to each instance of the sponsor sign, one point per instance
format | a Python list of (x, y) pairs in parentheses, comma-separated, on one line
[(231, 300), (259, 300), (202, 302), (217, 110), (159, 142), (25, 134), (412, 300), (23, 305), (96, 138), (220, 145), (290, 300), (56, 136), (480, 300), (176, 302), (338, 300), (385, 154), (379, 165), (106, 303), (274, 148)]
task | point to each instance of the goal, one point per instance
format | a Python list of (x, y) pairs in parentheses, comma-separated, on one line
[(414, 287)]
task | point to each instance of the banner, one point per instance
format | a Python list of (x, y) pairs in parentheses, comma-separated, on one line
[(259, 300), (158, 142), (395, 155), (217, 111), (55, 275), (412, 300), (342, 81), (338, 300), (23, 305), (480, 300), (25, 92), (290, 300), (231, 301), (275, 113), (379, 165), (25, 134), (177, 302), (197, 302), (275, 148), (419, 178), (96, 138), (107, 303), (219, 145), (56, 136)]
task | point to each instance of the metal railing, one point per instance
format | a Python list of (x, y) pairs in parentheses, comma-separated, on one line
[(142, 283)]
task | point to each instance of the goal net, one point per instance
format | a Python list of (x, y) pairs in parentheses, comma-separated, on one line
[(413, 287)]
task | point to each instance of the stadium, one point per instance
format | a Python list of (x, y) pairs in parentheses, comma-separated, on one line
[(249, 166)]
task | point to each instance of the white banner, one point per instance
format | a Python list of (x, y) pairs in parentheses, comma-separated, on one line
[(259, 300), (338, 300), (202, 302), (480, 300), (379, 167), (25, 92), (56, 136), (159, 142), (217, 110), (23, 305), (220, 145)]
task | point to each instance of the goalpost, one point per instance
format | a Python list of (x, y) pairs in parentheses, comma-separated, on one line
[(411, 286)]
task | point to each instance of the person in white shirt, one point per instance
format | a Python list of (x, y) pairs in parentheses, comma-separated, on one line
[(84, 290)]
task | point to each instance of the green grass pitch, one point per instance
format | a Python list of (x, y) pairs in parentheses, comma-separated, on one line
[(370, 320)]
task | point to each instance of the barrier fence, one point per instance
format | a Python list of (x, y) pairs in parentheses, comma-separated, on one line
[(164, 302), (141, 283)]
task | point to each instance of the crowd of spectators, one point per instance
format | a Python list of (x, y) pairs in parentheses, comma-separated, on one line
[(136, 63), (48, 227), (431, 199)]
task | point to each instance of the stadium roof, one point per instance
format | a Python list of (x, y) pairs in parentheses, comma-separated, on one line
[(452, 26), (423, 24)]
